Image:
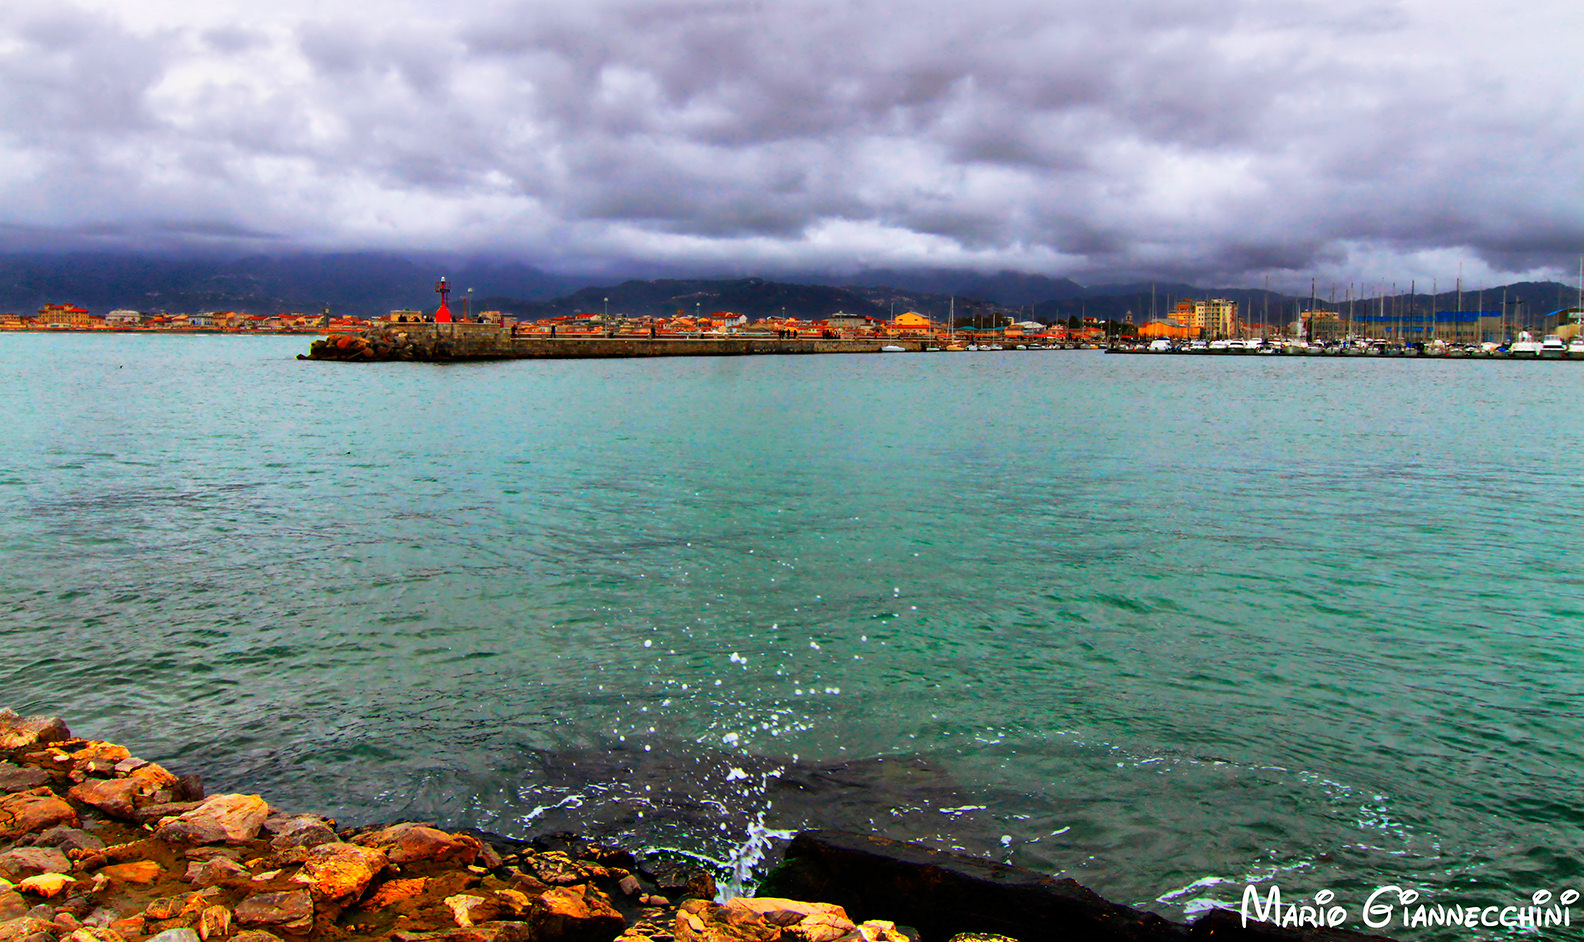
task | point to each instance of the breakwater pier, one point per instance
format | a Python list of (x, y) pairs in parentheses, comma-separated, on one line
[(463, 341), (431, 342)]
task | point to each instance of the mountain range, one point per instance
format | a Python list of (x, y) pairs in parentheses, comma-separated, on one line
[(367, 284)]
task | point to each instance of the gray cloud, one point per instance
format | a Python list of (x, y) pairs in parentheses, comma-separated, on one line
[(1099, 141)]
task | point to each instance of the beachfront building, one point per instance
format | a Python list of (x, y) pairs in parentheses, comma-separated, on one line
[(911, 322), (121, 317), (63, 315), (1207, 317)]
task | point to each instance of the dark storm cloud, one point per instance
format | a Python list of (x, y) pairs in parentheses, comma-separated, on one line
[(1095, 140)]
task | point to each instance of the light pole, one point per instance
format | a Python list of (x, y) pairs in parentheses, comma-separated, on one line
[(467, 301), (607, 309)]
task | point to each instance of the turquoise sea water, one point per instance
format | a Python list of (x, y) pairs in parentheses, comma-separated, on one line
[(1163, 625)]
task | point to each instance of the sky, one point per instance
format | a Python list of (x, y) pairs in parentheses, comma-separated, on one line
[(1225, 143)]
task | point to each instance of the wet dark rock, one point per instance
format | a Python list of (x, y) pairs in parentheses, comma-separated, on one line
[(942, 894), (1222, 925), (679, 880)]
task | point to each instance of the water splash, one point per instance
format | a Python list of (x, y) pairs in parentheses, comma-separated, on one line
[(746, 857)]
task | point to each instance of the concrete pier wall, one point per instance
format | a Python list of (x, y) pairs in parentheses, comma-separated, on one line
[(441, 342)]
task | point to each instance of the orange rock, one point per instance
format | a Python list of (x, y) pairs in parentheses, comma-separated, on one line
[(25, 732), (409, 843), (153, 777), (97, 756), (573, 912), (116, 797), (33, 810), (394, 891), (338, 871), (45, 884), (227, 819), (138, 871)]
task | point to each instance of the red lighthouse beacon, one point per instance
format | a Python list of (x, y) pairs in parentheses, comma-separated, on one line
[(443, 316)]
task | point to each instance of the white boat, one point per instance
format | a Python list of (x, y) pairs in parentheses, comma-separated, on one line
[(1552, 348), (1575, 348), (1524, 346), (893, 348)]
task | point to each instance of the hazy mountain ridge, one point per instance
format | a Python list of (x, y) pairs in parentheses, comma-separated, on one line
[(367, 284)]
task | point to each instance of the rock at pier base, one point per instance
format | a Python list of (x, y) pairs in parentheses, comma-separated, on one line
[(942, 895)]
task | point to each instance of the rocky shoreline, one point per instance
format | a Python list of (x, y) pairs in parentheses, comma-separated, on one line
[(97, 845)]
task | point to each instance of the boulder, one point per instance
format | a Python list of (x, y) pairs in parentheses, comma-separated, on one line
[(175, 935), (291, 911), (33, 810), (942, 894), (27, 732), (45, 884), (94, 934), (573, 914), (19, 778), (763, 919), (255, 935), (70, 839), (301, 831), (116, 797), (26, 861), (409, 843), (223, 819), (340, 871)]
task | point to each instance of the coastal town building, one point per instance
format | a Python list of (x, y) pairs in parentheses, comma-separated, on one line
[(63, 315), (1323, 326), (1207, 317), (911, 322), (1165, 330)]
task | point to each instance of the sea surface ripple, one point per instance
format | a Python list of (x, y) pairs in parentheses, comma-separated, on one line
[(1163, 625)]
